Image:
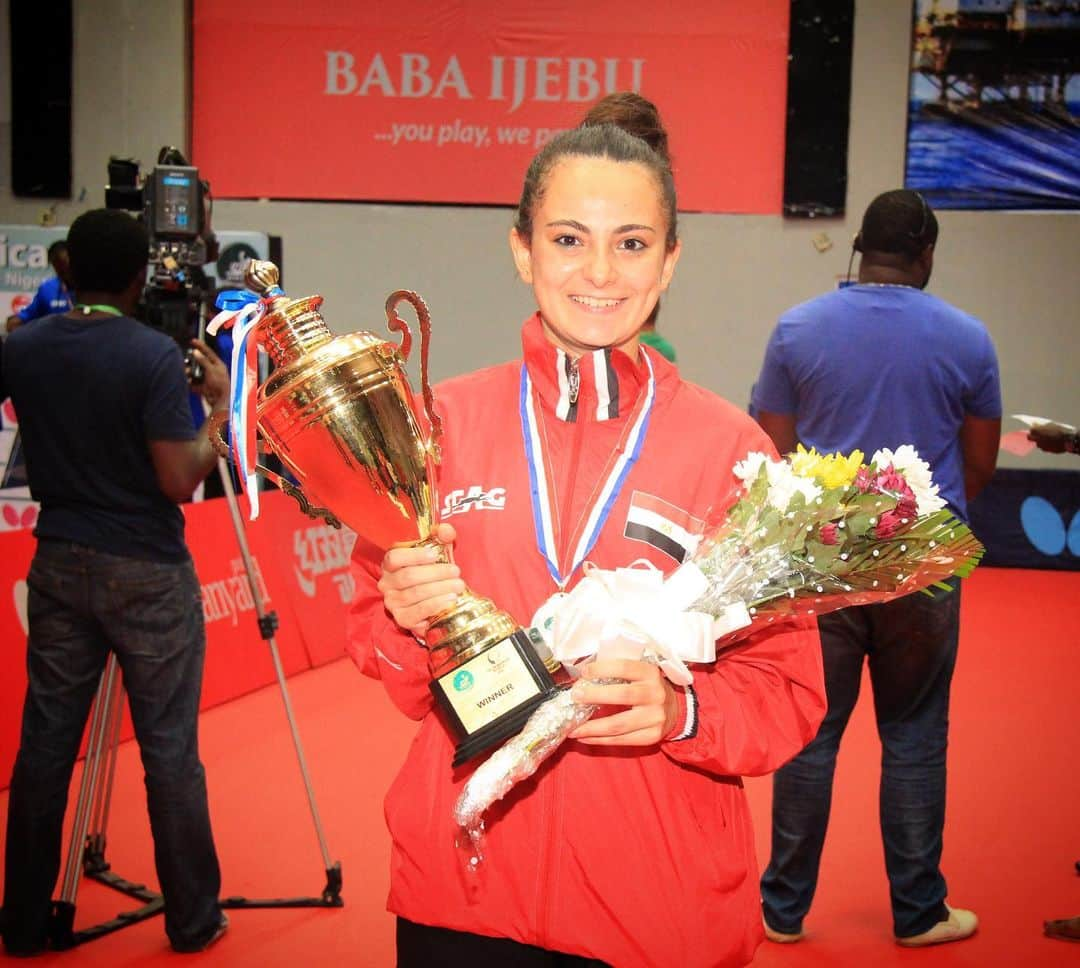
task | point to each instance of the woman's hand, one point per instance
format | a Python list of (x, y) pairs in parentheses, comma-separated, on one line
[(416, 586), (650, 702)]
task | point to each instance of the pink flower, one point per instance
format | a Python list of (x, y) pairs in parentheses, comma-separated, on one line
[(889, 482), (864, 480), (828, 533), (888, 524), (907, 507)]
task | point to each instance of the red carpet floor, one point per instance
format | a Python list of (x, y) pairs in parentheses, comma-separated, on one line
[(1012, 835)]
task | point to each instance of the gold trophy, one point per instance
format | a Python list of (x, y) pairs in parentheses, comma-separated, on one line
[(340, 415)]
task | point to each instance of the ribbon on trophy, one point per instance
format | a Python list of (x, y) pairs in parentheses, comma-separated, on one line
[(634, 613), (241, 310)]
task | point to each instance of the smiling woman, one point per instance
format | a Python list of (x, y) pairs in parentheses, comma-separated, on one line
[(607, 856), (598, 257)]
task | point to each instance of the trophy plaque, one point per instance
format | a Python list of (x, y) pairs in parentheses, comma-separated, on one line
[(339, 413)]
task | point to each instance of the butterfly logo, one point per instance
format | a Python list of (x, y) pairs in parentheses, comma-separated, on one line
[(1044, 527)]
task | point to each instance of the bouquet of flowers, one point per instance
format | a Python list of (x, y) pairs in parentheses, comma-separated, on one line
[(807, 535)]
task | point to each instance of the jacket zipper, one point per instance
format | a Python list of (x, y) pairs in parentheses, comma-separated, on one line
[(547, 890)]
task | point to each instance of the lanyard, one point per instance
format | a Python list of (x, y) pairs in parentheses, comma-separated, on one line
[(541, 492), (97, 308)]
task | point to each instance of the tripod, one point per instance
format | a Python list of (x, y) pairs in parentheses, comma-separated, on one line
[(87, 845)]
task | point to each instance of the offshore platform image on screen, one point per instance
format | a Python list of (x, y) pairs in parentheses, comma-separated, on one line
[(994, 118), (978, 53)]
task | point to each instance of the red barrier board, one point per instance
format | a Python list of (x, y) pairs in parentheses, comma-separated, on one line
[(301, 570), (448, 100), (238, 660), (313, 560), (16, 550)]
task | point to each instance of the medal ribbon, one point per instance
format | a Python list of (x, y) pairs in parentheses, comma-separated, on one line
[(541, 478)]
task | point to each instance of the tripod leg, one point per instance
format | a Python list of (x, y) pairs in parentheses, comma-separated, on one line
[(94, 845)]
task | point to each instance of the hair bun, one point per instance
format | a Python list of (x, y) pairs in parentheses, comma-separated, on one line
[(633, 113)]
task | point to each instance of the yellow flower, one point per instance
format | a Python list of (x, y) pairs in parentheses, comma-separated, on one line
[(832, 470)]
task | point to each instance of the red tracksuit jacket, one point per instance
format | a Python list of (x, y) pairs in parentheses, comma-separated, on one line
[(637, 857)]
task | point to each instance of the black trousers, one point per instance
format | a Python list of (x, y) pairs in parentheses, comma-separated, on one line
[(421, 946)]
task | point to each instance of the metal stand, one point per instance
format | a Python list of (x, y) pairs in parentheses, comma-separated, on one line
[(86, 852), (268, 624)]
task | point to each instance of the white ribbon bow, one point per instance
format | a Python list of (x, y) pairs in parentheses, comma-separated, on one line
[(633, 613)]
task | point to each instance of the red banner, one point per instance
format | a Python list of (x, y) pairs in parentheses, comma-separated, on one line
[(301, 571), (448, 100), (313, 559)]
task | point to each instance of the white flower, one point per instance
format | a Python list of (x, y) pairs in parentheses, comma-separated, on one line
[(905, 460), (747, 470), (784, 484)]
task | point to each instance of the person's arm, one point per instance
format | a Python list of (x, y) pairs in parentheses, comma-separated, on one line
[(38, 307), (980, 439), (781, 429), (181, 465), (774, 401), (747, 713), (759, 704), (980, 433), (1055, 442)]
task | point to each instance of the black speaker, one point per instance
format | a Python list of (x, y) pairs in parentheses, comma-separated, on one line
[(818, 107), (41, 98)]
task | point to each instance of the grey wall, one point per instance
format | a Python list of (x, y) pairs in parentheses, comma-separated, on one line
[(1017, 271)]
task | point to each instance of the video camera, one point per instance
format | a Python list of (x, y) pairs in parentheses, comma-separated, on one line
[(175, 207)]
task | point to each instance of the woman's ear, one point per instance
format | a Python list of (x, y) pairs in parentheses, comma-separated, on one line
[(522, 256), (671, 257)]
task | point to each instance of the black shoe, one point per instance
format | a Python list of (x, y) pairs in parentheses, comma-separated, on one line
[(1064, 929), (216, 936), (17, 947)]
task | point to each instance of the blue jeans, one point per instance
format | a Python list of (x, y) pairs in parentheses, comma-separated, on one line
[(83, 604), (911, 646)]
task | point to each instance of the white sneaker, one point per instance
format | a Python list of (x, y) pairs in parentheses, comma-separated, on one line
[(959, 925)]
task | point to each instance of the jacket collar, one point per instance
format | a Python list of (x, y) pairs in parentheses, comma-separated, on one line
[(601, 385)]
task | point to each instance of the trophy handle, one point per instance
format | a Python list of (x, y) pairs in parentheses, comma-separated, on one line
[(299, 497), (398, 325), (217, 425)]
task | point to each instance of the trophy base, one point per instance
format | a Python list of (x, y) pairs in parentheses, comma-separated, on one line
[(488, 698), (498, 732)]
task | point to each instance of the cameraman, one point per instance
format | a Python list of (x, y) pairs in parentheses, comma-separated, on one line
[(111, 449)]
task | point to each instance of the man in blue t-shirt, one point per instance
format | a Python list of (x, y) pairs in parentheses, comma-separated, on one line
[(110, 450), (53, 295), (870, 366)]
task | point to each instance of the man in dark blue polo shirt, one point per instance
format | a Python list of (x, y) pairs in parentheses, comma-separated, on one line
[(110, 450)]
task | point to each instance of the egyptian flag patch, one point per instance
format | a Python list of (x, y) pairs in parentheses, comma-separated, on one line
[(667, 528)]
